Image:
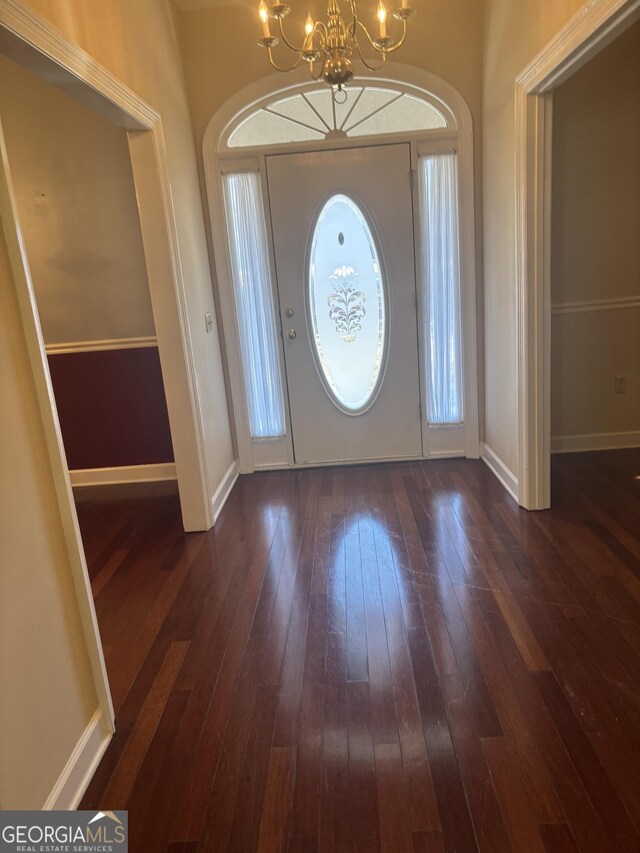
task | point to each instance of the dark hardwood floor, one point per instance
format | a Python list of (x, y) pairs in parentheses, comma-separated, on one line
[(389, 658)]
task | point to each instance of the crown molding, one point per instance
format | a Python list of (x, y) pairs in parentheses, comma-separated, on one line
[(572, 46), (36, 44)]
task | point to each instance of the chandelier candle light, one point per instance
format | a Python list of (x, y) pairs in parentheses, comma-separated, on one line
[(328, 47)]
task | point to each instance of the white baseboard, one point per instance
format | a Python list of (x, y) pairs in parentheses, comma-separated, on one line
[(123, 474), (501, 471), (595, 441), (224, 490), (445, 454), (82, 764)]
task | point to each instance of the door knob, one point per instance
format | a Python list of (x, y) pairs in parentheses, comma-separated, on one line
[(291, 334)]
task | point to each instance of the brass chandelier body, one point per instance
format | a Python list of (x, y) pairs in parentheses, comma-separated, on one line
[(329, 47)]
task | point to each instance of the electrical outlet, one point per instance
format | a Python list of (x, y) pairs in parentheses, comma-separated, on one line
[(619, 385)]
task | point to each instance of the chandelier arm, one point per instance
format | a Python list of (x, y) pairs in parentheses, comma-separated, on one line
[(390, 48), (366, 63), (369, 39), (286, 40), (402, 40), (321, 27), (354, 19), (319, 30), (315, 76), (277, 67)]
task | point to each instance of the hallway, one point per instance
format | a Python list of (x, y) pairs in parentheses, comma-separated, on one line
[(389, 657)]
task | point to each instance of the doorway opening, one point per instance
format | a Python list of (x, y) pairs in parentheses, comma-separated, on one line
[(75, 194), (345, 251), (592, 28), (595, 267)]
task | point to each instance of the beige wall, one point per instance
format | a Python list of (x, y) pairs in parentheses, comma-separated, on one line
[(595, 245), (515, 30), (587, 351), (137, 42), (221, 56), (72, 177), (48, 695)]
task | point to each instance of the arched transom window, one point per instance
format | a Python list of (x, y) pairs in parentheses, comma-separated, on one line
[(317, 114)]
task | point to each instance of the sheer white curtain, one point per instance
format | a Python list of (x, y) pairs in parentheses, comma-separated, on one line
[(254, 304), (441, 287)]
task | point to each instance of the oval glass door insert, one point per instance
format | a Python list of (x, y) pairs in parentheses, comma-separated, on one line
[(346, 302)]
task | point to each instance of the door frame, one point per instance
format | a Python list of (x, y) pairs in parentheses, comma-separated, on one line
[(591, 29), (217, 158), (31, 41)]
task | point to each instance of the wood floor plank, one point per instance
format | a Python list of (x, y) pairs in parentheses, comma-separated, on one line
[(357, 655), (334, 817), (557, 838), (215, 830), (305, 818), (124, 776), (491, 834), (512, 795), (393, 803), (277, 801), (362, 798), (150, 797), (455, 819), (245, 830), (415, 761), (383, 714)]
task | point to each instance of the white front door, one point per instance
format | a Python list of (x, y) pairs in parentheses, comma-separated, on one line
[(343, 238)]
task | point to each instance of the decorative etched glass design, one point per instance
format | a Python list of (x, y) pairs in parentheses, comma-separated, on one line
[(347, 304), (308, 116)]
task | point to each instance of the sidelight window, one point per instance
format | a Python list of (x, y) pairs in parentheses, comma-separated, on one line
[(254, 304), (441, 287)]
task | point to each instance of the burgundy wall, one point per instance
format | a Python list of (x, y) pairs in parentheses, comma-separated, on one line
[(112, 407)]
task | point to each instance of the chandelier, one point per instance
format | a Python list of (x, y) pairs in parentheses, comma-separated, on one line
[(328, 47)]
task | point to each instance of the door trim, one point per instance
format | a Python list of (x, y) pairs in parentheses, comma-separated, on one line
[(216, 159)]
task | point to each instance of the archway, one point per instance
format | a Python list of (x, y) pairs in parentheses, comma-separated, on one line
[(401, 105)]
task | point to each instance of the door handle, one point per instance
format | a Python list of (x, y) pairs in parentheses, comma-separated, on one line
[(291, 334)]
